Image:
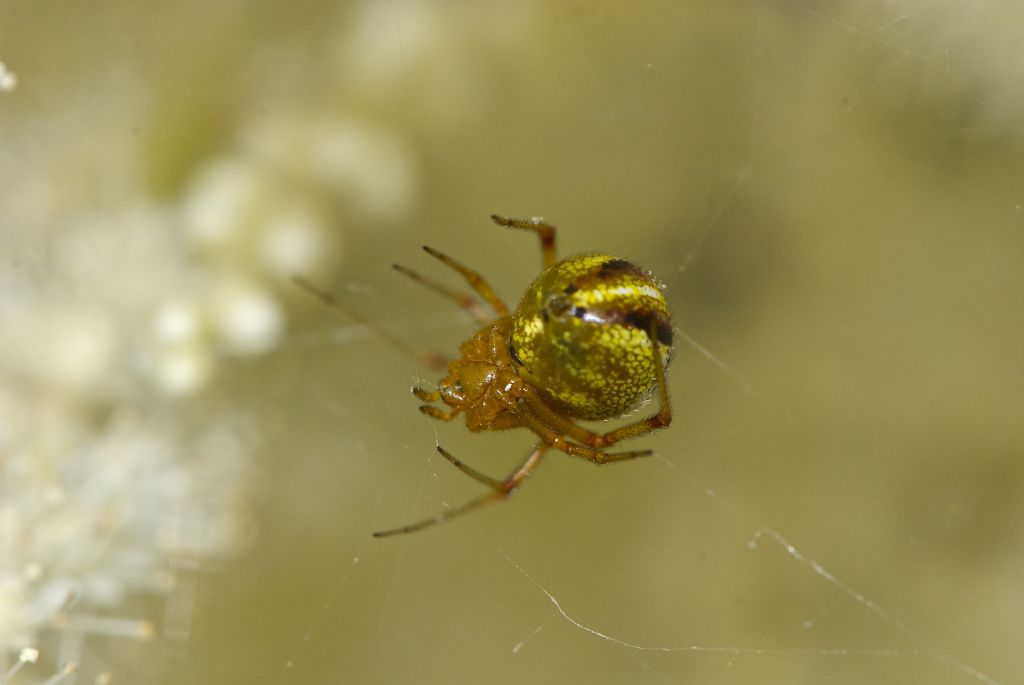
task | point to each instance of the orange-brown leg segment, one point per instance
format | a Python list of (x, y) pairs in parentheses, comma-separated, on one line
[(556, 439), (429, 358), (492, 483), (439, 414), (500, 422), (544, 230), (426, 395), (463, 300), (475, 280), (499, 491)]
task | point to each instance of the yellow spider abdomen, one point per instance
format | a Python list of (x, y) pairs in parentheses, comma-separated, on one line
[(582, 335)]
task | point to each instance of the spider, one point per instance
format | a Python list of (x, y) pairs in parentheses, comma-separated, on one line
[(590, 338)]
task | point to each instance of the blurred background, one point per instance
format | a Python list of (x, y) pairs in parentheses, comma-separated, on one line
[(194, 452)]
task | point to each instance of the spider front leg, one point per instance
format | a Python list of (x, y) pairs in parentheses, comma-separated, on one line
[(464, 301), (475, 280), (500, 489), (544, 230)]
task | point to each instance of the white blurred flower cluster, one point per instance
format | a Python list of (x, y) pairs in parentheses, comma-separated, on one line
[(116, 310), (92, 517), (107, 490), (263, 213), (109, 320), (8, 79), (436, 61)]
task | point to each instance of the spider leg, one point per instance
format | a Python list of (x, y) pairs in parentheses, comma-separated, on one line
[(429, 358), (434, 412), (500, 490), (475, 280), (440, 414), (599, 457), (556, 439), (464, 301), (426, 395), (544, 230), (430, 410), (492, 483)]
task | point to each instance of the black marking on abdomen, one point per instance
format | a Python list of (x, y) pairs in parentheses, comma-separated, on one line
[(621, 266), (648, 321)]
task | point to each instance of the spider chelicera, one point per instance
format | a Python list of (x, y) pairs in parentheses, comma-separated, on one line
[(590, 338)]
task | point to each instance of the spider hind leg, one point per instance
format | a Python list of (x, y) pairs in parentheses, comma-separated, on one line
[(500, 489)]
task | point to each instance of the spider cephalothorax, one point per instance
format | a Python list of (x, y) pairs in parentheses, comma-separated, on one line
[(482, 383)]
